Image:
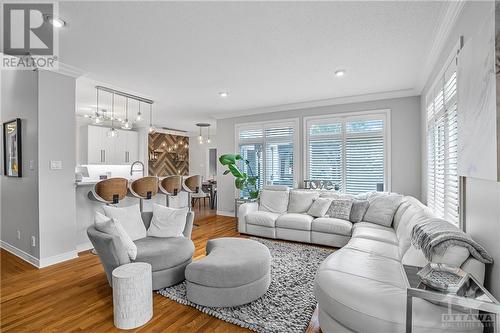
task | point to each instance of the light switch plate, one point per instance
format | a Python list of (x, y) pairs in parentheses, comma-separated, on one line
[(32, 165), (55, 165)]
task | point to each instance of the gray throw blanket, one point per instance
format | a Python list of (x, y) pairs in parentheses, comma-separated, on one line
[(437, 235)]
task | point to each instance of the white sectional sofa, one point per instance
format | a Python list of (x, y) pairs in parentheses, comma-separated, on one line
[(360, 287)]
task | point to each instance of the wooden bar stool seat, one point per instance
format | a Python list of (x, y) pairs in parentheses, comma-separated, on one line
[(144, 188), (192, 185), (109, 191), (170, 186)]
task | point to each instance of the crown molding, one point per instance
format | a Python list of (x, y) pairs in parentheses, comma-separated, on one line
[(320, 103), (447, 20)]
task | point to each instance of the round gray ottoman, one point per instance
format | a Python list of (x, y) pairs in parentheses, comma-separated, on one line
[(235, 271)]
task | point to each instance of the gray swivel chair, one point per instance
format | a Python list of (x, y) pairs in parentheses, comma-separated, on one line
[(167, 256)]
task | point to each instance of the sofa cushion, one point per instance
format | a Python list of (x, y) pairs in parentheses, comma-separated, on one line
[(358, 210), (340, 209), (399, 213), (274, 201), (319, 207), (364, 224), (370, 296), (163, 253), (331, 225), (109, 226), (167, 221), (374, 247), (412, 216), (294, 221), (382, 209), (264, 219), (300, 201), (130, 218), (388, 235)]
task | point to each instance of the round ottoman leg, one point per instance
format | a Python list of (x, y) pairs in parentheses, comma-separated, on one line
[(132, 295)]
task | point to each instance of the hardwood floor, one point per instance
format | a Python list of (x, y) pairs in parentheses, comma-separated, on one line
[(74, 296)]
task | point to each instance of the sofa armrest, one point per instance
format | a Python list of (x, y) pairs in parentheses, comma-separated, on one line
[(188, 228), (110, 249), (243, 211)]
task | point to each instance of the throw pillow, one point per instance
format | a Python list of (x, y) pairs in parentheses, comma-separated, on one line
[(300, 200), (382, 209), (167, 222), (319, 207), (340, 209), (358, 210), (111, 227), (130, 218), (273, 201)]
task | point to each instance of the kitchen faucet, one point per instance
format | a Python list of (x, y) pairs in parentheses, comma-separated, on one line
[(132, 168)]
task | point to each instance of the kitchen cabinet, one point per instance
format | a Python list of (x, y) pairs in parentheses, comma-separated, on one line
[(102, 149)]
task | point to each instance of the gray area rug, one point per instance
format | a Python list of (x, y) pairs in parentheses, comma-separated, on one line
[(289, 303)]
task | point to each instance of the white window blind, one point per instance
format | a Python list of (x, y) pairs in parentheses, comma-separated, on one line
[(442, 149), (269, 148), (350, 151)]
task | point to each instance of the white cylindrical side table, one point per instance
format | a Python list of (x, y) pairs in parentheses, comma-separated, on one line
[(132, 295)]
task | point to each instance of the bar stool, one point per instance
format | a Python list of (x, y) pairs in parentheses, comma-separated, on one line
[(170, 186), (109, 191), (144, 188), (192, 185)]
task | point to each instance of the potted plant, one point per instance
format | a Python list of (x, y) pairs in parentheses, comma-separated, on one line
[(242, 180)]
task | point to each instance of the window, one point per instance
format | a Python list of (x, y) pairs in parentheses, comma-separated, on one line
[(349, 150), (442, 148), (270, 149)]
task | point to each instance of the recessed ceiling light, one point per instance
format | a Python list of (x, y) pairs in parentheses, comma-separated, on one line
[(340, 72), (223, 94), (57, 22)]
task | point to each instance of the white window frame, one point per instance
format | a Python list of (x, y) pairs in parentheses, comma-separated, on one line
[(384, 114), (430, 94), (293, 122)]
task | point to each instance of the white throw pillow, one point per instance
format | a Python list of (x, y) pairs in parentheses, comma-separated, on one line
[(130, 218), (301, 201), (167, 222), (382, 209), (111, 227), (319, 207), (273, 201)]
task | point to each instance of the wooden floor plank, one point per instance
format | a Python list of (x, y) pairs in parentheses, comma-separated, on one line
[(74, 296)]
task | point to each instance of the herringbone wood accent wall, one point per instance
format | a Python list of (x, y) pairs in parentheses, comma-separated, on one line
[(166, 159)]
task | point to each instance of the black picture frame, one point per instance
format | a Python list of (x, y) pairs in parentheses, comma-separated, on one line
[(17, 145)]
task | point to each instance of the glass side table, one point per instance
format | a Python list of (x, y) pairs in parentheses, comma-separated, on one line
[(473, 296), (240, 201)]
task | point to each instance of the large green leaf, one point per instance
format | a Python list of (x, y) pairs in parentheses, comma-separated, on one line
[(227, 159), (254, 194), (235, 171)]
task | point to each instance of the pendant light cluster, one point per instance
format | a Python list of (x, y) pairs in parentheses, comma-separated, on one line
[(204, 138), (101, 116)]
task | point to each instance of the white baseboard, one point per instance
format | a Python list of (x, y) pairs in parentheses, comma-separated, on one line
[(84, 247), (38, 263), (20, 253), (44, 262), (225, 213)]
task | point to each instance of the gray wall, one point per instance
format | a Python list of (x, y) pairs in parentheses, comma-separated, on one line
[(20, 195), (56, 141), (405, 142), (482, 196)]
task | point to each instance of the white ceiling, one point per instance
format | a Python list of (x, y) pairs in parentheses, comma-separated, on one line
[(181, 54)]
